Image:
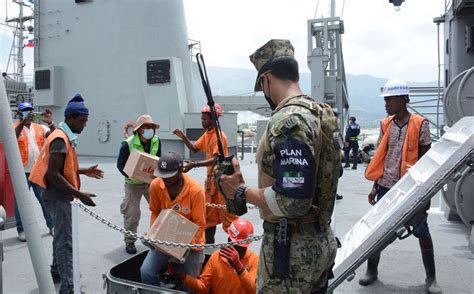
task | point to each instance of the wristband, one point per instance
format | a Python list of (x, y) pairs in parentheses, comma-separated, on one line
[(240, 194), (239, 272)]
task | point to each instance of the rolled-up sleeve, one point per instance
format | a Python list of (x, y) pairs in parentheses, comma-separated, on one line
[(425, 136)]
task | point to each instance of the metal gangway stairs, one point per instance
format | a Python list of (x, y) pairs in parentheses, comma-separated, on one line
[(387, 219), (428, 102)]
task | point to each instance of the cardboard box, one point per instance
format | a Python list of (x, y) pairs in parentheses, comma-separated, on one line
[(172, 226), (141, 166)]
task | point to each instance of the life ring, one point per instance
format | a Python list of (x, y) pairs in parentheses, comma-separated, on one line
[(126, 128)]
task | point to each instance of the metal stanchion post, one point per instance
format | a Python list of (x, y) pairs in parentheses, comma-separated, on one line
[(252, 157), (35, 245), (1, 264), (75, 249), (3, 217)]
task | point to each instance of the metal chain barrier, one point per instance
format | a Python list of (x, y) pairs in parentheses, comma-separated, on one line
[(223, 206), (145, 239)]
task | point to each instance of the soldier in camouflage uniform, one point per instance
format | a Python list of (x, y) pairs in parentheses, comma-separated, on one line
[(299, 164)]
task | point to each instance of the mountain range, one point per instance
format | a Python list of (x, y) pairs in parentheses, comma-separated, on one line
[(365, 103)]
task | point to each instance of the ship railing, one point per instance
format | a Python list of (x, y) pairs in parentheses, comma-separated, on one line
[(17, 92), (194, 47), (427, 102)]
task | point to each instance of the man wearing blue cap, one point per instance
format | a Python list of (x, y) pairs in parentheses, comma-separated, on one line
[(57, 171), (30, 137)]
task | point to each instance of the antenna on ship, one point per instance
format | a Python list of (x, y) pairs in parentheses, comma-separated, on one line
[(16, 51)]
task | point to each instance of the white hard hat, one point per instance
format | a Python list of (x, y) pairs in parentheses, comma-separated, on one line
[(395, 87)]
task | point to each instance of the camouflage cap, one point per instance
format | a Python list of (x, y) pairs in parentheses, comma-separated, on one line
[(272, 49)]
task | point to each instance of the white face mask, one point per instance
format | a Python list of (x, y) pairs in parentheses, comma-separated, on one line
[(25, 113), (148, 134)]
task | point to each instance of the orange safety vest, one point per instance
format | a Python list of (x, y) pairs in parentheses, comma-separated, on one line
[(71, 165), (411, 142), (23, 140)]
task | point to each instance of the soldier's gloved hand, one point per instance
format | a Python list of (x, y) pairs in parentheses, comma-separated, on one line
[(233, 258), (230, 183)]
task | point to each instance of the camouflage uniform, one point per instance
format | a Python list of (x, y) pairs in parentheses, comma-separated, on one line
[(299, 186), (312, 246), (298, 167)]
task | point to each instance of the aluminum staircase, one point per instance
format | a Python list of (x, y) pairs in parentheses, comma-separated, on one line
[(386, 220)]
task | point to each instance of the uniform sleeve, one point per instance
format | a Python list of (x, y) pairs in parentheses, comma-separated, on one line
[(155, 200), (425, 137), (294, 166), (198, 214), (199, 144), (203, 284), (249, 278)]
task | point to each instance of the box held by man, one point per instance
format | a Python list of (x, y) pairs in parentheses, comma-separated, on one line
[(141, 166), (172, 227)]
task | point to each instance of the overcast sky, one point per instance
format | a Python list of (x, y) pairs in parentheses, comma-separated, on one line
[(378, 40)]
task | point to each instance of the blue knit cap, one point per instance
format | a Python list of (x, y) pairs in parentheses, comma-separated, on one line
[(76, 106)]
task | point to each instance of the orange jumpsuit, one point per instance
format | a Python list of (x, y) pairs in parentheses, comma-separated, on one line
[(214, 216), (221, 277)]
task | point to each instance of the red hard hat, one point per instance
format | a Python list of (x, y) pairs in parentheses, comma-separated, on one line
[(240, 229), (218, 107)]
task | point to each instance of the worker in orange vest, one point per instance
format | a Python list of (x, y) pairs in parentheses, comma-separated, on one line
[(231, 270), (30, 137), (404, 138), (57, 172), (208, 144)]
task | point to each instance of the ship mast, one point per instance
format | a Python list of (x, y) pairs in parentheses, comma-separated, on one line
[(18, 40)]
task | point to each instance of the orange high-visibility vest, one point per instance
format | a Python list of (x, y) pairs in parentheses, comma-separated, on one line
[(411, 143), (71, 165), (23, 140)]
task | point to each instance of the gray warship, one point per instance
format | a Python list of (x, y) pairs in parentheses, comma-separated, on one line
[(155, 72)]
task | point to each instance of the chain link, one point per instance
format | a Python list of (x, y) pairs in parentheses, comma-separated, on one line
[(160, 242), (223, 206)]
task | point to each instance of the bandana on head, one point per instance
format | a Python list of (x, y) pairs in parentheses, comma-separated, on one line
[(76, 106)]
